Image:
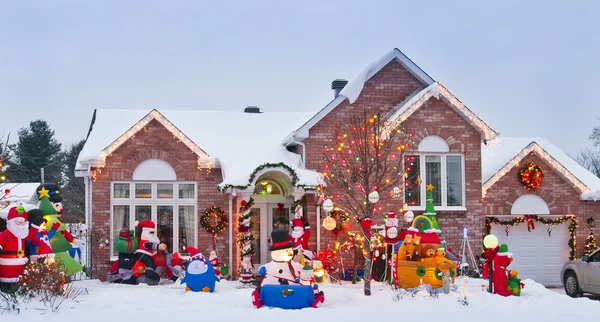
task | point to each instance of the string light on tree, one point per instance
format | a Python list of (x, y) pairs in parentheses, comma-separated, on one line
[(590, 244)]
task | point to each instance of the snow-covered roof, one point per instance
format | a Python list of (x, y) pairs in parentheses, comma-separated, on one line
[(19, 192), (238, 142), (405, 109), (354, 87), (501, 156)]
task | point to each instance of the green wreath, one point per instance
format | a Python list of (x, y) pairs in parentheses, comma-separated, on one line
[(221, 223), (343, 216), (531, 176), (421, 271)]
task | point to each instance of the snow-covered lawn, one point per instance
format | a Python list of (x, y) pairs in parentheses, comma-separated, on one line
[(113, 303)]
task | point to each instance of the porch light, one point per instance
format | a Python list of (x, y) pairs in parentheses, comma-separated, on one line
[(269, 188)]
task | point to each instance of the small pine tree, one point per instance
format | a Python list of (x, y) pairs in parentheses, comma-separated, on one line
[(590, 244)]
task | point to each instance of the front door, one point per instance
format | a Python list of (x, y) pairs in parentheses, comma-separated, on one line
[(268, 217)]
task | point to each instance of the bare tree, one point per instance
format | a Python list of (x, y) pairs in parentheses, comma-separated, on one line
[(365, 156), (590, 159)]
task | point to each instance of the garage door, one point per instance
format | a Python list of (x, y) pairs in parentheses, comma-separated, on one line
[(536, 255)]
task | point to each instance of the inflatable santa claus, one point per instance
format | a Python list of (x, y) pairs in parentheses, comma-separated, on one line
[(12, 245), (300, 235), (147, 247)]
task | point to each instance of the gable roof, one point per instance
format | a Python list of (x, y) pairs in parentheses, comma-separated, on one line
[(407, 108), (237, 142), (499, 158), (354, 87)]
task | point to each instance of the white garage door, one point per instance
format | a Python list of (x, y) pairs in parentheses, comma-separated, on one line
[(536, 256)]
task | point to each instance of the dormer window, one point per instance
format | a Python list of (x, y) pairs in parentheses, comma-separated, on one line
[(434, 165)]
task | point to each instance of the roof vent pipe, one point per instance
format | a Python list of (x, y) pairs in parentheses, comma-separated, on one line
[(252, 109), (337, 86)]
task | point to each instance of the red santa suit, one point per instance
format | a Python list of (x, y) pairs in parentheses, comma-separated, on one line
[(12, 253), (300, 234), (148, 243)]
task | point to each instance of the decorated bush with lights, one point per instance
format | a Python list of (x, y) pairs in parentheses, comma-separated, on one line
[(422, 256)]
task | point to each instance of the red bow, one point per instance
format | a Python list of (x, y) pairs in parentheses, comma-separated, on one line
[(491, 253), (530, 222), (366, 224)]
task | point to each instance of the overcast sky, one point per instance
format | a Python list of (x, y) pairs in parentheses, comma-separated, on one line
[(528, 68)]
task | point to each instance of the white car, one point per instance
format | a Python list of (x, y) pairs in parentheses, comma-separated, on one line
[(582, 275)]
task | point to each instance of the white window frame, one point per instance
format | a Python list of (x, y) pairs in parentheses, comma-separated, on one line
[(154, 202), (423, 186)]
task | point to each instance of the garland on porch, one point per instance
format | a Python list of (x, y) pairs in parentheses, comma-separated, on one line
[(292, 172), (221, 220), (550, 222), (245, 229)]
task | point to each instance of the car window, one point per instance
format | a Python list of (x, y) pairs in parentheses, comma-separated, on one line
[(595, 257)]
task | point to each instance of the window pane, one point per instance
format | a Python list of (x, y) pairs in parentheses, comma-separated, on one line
[(433, 173), (454, 180), (143, 213), (164, 190), (165, 226), (121, 190), (120, 220), (255, 220), (187, 223), (412, 183), (143, 190), (186, 191)]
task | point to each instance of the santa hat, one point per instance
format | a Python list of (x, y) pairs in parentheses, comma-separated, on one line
[(15, 213), (194, 253), (147, 225), (430, 238), (391, 214), (297, 223)]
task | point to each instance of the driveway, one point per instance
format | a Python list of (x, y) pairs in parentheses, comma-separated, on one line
[(561, 290)]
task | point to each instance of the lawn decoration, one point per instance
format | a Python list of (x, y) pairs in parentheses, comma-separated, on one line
[(199, 274), (505, 282), (286, 284), (421, 255)]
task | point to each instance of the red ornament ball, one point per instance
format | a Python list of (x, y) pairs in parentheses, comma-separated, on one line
[(243, 203), (7, 191)]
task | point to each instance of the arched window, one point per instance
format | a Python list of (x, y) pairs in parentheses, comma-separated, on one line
[(434, 165), (155, 194), (530, 204)]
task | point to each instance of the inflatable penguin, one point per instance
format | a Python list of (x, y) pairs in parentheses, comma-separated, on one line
[(199, 274)]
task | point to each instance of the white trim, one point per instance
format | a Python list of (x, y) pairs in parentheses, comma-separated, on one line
[(318, 229), (537, 149), (405, 109), (13, 261), (9, 280), (153, 115)]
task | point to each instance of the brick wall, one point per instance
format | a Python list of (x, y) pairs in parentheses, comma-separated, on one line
[(385, 90), (560, 195), (155, 142)]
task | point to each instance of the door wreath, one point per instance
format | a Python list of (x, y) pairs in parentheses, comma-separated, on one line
[(343, 218), (221, 220), (531, 176)]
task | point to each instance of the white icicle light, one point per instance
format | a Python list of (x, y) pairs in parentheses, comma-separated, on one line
[(328, 205), (374, 197)]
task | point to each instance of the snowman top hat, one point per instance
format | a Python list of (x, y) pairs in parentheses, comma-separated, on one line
[(280, 239)]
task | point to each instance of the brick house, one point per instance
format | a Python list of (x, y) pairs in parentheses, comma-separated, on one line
[(170, 166)]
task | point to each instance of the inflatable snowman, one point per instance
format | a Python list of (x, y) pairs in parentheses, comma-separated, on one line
[(286, 284)]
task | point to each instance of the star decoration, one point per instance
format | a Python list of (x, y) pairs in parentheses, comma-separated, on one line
[(430, 187), (44, 192)]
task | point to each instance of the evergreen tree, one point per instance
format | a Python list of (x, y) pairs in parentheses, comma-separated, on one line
[(590, 244), (36, 148), (73, 191)]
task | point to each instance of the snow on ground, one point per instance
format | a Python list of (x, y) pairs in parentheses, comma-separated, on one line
[(110, 302)]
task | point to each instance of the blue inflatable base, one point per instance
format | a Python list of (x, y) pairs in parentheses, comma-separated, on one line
[(287, 296)]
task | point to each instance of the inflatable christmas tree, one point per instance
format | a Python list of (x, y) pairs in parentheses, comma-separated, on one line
[(58, 242), (430, 211)]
